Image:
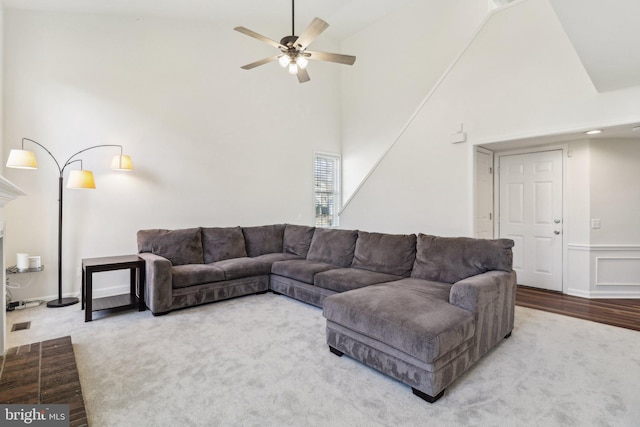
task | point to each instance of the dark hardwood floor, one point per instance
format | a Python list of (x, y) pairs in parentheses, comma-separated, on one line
[(624, 313)]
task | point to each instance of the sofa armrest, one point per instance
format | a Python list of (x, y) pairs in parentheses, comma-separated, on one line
[(475, 292), (158, 291), (491, 296)]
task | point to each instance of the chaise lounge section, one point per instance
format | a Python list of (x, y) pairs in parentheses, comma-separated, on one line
[(427, 330), (421, 309)]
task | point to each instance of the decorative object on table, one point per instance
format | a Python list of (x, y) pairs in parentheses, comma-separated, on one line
[(295, 55), (22, 261), (35, 262), (24, 159)]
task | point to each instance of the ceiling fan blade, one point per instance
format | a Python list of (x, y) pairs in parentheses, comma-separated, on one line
[(331, 57), (260, 62), (314, 29), (260, 37), (303, 75)]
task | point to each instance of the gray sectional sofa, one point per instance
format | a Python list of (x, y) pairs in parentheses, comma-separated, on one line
[(421, 309)]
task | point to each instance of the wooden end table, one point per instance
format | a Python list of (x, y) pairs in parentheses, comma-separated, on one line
[(135, 298)]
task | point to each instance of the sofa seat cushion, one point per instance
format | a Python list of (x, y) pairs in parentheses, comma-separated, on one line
[(404, 316), (271, 258), (302, 270), (385, 253), (427, 288), (238, 268), (195, 274), (345, 279)]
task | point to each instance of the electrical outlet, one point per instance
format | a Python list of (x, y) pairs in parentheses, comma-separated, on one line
[(595, 224)]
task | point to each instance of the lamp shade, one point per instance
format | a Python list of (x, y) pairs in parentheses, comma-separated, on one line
[(81, 179), (121, 163), (22, 159)]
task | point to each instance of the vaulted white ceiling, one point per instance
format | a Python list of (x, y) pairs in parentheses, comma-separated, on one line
[(606, 36), (346, 17)]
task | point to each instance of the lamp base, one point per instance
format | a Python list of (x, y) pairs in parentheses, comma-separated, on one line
[(64, 302)]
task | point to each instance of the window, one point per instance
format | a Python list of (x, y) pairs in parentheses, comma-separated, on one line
[(326, 171)]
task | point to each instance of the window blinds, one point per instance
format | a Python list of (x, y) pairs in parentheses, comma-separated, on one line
[(326, 182)]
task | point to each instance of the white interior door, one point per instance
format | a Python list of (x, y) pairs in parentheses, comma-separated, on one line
[(484, 194), (531, 215)]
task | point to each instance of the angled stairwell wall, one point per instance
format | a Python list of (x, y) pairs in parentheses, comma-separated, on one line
[(400, 59), (518, 77)]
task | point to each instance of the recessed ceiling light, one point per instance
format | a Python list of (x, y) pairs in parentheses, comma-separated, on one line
[(594, 132)]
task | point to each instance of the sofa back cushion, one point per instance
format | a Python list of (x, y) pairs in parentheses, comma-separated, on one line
[(450, 259), (220, 243), (297, 239), (178, 246), (333, 246), (265, 239), (385, 253)]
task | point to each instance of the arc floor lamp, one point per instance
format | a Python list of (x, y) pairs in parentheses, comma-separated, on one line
[(24, 159)]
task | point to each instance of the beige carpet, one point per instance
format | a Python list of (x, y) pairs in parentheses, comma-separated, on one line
[(262, 361)]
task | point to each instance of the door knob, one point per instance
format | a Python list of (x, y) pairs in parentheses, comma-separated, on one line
[(556, 231)]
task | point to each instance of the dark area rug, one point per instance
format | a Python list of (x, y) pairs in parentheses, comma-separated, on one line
[(43, 373)]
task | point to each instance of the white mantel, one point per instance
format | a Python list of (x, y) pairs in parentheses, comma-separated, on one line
[(8, 192)]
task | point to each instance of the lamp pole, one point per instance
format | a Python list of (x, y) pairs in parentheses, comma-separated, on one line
[(60, 302), (63, 302)]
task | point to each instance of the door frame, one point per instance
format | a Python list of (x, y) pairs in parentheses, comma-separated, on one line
[(475, 188), (565, 213)]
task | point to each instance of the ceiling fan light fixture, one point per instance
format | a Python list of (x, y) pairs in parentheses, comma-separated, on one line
[(284, 60), (293, 54), (302, 61)]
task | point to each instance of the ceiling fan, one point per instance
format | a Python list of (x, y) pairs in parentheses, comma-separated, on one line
[(294, 54)]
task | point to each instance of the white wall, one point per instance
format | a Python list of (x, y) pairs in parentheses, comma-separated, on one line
[(519, 77), (614, 250), (212, 145), (577, 219), (399, 59), (615, 194), (602, 184), (577, 230)]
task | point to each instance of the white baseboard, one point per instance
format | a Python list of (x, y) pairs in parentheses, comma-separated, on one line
[(603, 294), (97, 293)]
